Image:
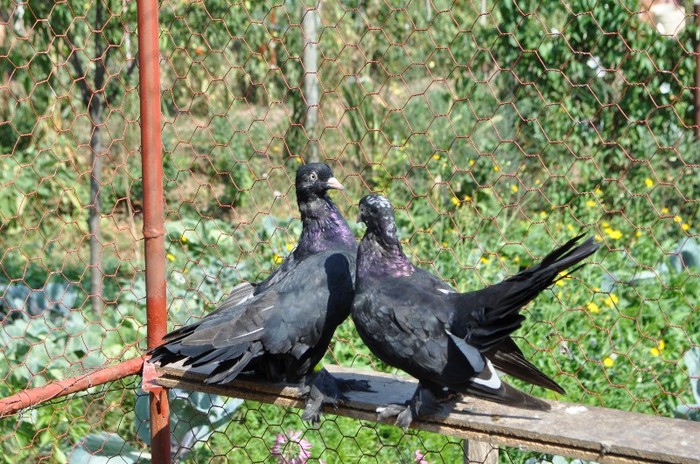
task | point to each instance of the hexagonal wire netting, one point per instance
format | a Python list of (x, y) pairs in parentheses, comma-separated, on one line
[(497, 131)]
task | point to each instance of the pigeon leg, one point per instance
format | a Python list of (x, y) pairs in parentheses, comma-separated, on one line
[(321, 389), (423, 402)]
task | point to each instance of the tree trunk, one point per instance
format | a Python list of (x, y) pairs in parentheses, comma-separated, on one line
[(95, 105), (310, 26)]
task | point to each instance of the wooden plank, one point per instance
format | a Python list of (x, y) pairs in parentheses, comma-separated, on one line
[(480, 452), (585, 432)]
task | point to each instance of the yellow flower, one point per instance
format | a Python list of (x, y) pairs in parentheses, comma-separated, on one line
[(484, 260), (664, 210), (299, 160), (289, 246), (444, 244), (598, 191), (170, 257), (608, 362), (277, 258), (183, 239), (569, 227), (543, 214), (598, 238), (496, 168), (605, 224), (455, 201), (685, 226), (591, 203), (613, 233), (516, 259), (561, 278), (467, 198), (656, 350), (678, 219), (538, 182), (594, 308), (436, 157), (514, 188), (638, 233), (471, 162), (612, 300), (649, 183)]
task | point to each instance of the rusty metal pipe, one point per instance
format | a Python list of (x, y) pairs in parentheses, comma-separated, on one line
[(34, 396), (153, 227), (696, 13)]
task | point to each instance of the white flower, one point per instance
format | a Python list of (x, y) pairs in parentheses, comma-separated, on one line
[(594, 63)]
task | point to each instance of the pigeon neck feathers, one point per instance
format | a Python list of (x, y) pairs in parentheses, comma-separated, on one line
[(323, 228), (382, 256), (380, 253)]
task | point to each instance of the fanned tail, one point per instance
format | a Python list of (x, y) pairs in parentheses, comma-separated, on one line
[(490, 315)]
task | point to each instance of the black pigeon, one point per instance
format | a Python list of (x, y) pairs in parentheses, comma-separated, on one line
[(281, 327), (451, 342)]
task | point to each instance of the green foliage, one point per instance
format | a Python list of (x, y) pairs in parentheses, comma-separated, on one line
[(496, 136), (106, 448), (195, 416)]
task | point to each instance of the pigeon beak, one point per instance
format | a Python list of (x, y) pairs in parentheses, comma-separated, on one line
[(334, 184)]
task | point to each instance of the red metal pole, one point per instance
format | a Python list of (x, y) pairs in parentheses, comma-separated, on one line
[(696, 12), (153, 228), (34, 396)]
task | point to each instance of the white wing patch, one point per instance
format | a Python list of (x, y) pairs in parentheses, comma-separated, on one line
[(446, 291), (488, 377), (474, 357)]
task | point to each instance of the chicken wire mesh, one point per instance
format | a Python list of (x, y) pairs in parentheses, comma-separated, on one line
[(496, 131)]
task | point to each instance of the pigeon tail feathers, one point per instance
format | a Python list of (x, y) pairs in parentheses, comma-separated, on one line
[(493, 311)]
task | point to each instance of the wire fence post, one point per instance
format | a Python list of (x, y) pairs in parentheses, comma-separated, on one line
[(153, 228)]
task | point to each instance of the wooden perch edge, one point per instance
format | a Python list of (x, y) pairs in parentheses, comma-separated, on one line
[(585, 432)]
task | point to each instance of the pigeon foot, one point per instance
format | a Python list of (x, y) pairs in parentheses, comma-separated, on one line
[(322, 389)]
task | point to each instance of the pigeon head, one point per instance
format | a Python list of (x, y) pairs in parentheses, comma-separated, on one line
[(314, 180), (324, 227), (378, 215)]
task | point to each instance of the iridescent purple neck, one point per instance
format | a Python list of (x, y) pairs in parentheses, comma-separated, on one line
[(324, 228), (382, 256)]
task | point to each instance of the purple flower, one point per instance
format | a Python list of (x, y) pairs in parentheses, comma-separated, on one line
[(290, 448), (420, 458)]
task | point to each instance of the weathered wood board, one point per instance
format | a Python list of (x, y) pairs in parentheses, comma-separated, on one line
[(590, 433)]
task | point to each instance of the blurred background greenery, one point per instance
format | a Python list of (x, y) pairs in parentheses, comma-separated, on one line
[(498, 131)]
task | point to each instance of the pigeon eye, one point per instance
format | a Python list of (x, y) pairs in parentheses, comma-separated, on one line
[(313, 176)]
